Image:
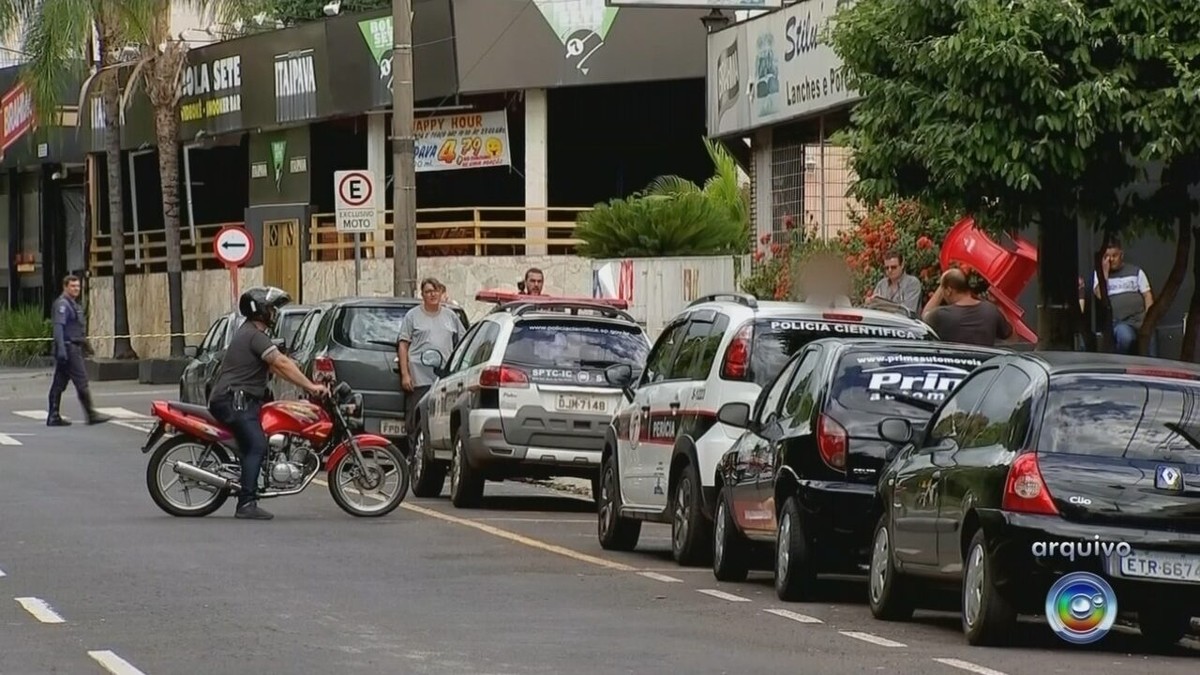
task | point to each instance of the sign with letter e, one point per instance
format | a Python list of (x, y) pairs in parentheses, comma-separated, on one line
[(354, 192)]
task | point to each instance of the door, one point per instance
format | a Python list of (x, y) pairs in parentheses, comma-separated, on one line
[(917, 489), (195, 373), (281, 256), (652, 423), (748, 508), (698, 355), (793, 415), (448, 388), (300, 350)]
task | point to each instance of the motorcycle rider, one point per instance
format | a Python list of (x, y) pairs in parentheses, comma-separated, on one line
[(240, 387)]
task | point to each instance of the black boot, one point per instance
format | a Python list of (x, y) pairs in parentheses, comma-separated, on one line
[(93, 417), (251, 511), (53, 417)]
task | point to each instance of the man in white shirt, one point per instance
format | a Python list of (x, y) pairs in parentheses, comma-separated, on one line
[(1130, 295)]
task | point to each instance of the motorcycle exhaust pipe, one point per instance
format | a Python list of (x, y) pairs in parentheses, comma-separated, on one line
[(206, 477)]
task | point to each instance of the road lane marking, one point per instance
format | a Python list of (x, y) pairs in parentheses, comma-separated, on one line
[(873, 639), (5, 439), (660, 577), (143, 427), (535, 520), (2, 573), (969, 667), (119, 413), (114, 664), (722, 595), (40, 610), (794, 616)]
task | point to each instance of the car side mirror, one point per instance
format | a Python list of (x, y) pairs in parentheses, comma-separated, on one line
[(735, 414), (621, 375), (895, 430), (191, 351), (432, 358)]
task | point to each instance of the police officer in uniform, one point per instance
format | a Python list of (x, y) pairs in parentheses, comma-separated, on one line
[(67, 320), (240, 387)]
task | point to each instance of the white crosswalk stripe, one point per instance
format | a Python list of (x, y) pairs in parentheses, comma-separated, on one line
[(122, 417), (116, 413)]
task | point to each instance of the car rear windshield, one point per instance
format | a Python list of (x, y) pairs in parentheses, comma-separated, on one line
[(866, 380), (575, 344), (776, 340), (1120, 417), (374, 328)]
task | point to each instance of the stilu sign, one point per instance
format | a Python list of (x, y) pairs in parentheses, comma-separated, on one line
[(295, 86)]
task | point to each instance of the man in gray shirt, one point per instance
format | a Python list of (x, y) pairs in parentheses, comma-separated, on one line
[(1130, 295), (964, 318), (897, 286), (429, 326)]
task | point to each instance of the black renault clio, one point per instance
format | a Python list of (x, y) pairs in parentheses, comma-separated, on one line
[(1038, 450), (802, 477)]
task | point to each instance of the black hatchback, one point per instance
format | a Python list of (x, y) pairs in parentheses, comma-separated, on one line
[(803, 475), (1034, 456)]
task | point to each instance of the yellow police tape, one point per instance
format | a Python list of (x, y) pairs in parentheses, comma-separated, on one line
[(104, 337)]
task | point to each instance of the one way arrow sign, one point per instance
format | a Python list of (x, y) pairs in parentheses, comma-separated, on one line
[(233, 246)]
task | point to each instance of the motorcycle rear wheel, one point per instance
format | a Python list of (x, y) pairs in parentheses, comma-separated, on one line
[(215, 498), (345, 481)]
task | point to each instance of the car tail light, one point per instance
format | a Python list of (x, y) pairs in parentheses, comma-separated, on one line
[(1163, 372), (1025, 491), (737, 356), (323, 369), (832, 442), (494, 377), (834, 316)]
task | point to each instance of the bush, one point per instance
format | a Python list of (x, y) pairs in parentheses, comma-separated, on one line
[(645, 226), (23, 323)]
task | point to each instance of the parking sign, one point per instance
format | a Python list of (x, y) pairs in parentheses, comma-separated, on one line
[(355, 194)]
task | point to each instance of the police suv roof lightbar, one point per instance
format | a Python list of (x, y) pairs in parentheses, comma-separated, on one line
[(503, 297)]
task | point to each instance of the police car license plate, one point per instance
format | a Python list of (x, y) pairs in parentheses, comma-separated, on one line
[(584, 404)]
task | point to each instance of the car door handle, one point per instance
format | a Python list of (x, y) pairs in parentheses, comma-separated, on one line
[(646, 409), (674, 405), (937, 474)]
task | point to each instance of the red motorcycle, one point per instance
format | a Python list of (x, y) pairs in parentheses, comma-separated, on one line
[(202, 460)]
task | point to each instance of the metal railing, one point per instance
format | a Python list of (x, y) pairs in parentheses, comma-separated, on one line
[(477, 231), (473, 231)]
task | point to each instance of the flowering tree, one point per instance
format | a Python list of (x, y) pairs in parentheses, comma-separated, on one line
[(896, 225)]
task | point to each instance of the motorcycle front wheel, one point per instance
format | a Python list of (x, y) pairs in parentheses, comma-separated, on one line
[(179, 496), (375, 489)]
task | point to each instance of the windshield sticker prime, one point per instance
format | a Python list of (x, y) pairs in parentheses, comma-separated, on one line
[(930, 381), (920, 359), (844, 328)]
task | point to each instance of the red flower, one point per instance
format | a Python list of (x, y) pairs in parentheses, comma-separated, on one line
[(788, 224), (758, 256), (924, 243), (775, 249), (766, 238)]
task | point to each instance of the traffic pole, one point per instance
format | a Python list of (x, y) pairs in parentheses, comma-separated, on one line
[(234, 292), (404, 185)]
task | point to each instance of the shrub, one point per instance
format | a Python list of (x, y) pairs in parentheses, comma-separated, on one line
[(907, 227), (23, 323), (644, 226)]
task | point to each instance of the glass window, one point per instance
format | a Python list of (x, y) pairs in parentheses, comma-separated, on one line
[(566, 343), (288, 325), (212, 340), (700, 347), (659, 362), (1120, 417), (460, 350), (800, 398), (482, 349), (370, 328), (952, 420), (993, 421), (776, 340), (866, 379), (768, 402)]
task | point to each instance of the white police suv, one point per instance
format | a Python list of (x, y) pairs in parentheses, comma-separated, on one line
[(661, 450)]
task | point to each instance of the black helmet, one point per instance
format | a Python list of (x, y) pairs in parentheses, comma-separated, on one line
[(262, 303)]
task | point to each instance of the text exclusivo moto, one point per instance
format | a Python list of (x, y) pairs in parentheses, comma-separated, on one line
[(198, 467)]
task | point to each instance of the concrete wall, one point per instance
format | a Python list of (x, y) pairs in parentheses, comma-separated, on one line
[(206, 295)]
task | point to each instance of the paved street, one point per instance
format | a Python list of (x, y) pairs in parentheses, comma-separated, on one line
[(97, 579)]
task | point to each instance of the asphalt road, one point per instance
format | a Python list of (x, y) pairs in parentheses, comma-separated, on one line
[(96, 579)]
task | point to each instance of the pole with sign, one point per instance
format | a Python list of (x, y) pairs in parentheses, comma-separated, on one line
[(234, 247), (354, 194)]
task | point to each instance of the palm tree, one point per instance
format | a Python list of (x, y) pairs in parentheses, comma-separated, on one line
[(723, 189), (56, 40), (54, 29)]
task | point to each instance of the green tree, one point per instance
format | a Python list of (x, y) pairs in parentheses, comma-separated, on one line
[(1013, 113), (723, 188), (292, 12)]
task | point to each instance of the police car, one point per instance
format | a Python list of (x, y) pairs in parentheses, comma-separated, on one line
[(661, 450), (525, 395)]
